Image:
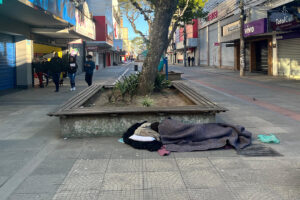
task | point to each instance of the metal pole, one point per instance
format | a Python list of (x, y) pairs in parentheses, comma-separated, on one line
[(242, 40)]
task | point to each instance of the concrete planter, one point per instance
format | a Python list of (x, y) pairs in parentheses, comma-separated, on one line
[(79, 121)]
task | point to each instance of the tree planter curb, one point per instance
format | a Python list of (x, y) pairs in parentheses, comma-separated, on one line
[(79, 121)]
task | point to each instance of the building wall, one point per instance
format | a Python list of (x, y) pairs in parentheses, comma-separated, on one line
[(24, 56)]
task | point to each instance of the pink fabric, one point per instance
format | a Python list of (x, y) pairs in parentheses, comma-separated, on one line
[(163, 151)]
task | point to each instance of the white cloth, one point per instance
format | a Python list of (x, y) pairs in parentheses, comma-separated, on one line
[(142, 138)]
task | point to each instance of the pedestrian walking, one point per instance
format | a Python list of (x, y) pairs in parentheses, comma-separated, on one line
[(56, 67), (39, 71), (89, 67), (193, 61), (46, 67), (72, 69), (189, 60)]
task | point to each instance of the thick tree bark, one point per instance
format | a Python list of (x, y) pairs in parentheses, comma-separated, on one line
[(164, 10)]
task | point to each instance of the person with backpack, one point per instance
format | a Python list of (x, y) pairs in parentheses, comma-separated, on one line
[(56, 67), (72, 69), (89, 67)]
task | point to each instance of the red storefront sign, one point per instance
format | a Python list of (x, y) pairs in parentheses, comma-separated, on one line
[(212, 15)]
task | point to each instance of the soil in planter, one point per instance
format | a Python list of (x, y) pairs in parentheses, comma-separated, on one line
[(167, 97)]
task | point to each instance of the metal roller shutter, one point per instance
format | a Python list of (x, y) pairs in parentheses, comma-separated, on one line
[(227, 56), (289, 58), (7, 62), (213, 49), (203, 47)]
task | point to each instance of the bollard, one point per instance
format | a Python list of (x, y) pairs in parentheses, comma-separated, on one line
[(136, 68)]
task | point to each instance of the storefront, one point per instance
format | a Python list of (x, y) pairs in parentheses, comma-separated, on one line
[(7, 62), (258, 47), (230, 38), (285, 21)]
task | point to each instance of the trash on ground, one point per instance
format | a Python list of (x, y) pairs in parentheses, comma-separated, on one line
[(268, 138)]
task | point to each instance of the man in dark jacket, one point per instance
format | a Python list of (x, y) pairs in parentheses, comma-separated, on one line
[(89, 67), (72, 69), (56, 67)]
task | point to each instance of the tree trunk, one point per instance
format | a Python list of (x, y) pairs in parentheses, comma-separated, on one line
[(242, 40), (184, 44), (164, 10)]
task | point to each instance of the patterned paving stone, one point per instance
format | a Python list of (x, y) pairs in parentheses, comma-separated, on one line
[(255, 193), (192, 164), (165, 194), (287, 192), (89, 166), (77, 195), (121, 195), (211, 194), (123, 181), (229, 163), (171, 180), (159, 165), (201, 179), (82, 182), (268, 164), (125, 165)]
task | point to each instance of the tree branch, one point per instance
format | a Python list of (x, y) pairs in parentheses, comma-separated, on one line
[(132, 20), (142, 11)]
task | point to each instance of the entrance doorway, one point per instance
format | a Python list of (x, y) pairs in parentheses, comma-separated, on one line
[(261, 54)]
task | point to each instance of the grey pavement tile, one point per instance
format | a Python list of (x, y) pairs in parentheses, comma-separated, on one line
[(196, 154), (166, 194), (171, 180), (54, 166), (123, 181), (125, 165), (272, 130), (3, 179), (257, 192), (211, 194), (41, 184), (64, 154), (94, 154), (127, 154), (81, 166), (9, 167), (193, 164), (160, 165), (270, 164), (38, 196), (223, 153), (19, 154), (201, 179), (229, 163), (155, 155), (286, 192), (122, 194), (83, 181), (77, 195)]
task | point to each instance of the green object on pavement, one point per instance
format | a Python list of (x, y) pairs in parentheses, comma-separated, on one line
[(268, 139)]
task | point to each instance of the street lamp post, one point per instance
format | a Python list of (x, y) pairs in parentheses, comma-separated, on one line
[(242, 39)]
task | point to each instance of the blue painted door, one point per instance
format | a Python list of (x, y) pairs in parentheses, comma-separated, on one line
[(7, 62)]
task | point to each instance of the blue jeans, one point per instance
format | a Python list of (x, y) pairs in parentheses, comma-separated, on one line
[(72, 79)]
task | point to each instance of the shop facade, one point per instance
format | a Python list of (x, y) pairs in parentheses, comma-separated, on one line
[(284, 20)]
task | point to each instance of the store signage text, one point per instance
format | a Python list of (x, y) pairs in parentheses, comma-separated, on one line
[(231, 28), (285, 17), (212, 15), (255, 27)]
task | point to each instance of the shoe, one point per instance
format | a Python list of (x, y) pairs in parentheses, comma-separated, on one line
[(71, 89), (74, 88)]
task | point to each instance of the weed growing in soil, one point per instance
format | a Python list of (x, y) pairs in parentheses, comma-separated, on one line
[(147, 101)]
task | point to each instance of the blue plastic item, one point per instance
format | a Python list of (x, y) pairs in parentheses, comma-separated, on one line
[(268, 139)]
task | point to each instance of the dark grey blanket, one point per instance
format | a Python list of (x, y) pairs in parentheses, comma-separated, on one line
[(182, 137)]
